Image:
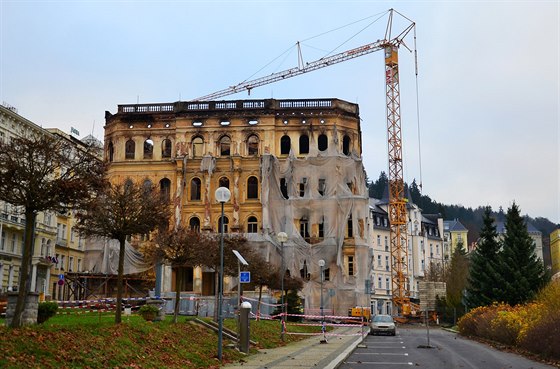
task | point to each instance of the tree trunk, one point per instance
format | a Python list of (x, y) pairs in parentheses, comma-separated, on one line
[(120, 279), (177, 294), (259, 303), (24, 286)]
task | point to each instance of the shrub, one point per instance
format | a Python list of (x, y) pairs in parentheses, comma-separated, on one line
[(543, 338), (46, 310), (148, 311)]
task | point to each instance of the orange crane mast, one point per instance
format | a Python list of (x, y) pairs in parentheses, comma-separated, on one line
[(397, 203)]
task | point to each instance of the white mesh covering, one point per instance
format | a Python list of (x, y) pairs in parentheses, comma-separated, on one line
[(102, 256), (341, 179)]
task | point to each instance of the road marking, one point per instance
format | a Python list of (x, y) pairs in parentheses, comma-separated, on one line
[(381, 353), (376, 363)]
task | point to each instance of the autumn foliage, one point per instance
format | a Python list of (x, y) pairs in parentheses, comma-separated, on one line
[(534, 326)]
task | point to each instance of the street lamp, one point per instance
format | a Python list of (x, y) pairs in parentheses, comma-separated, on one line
[(282, 237), (323, 328), (222, 196)]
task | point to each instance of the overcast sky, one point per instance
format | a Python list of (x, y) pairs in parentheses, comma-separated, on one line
[(487, 120)]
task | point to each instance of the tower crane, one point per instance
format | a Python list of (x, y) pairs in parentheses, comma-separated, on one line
[(397, 203)]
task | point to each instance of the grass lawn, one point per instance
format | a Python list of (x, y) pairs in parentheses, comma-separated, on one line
[(93, 341)]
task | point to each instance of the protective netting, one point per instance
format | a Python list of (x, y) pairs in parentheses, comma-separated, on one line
[(326, 194), (102, 256)]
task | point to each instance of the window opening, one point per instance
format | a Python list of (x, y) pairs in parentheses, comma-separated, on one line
[(225, 224), (304, 273), (252, 188), (350, 232), (165, 188), (304, 228), (284, 188), (194, 224), (322, 142), (166, 148), (129, 148), (285, 145), (111, 150), (302, 187), (224, 182), (252, 225), (350, 265), (253, 145), (304, 144), (346, 145), (198, 147), (321, 186), (225, 144), (148, 148), (196, 189)]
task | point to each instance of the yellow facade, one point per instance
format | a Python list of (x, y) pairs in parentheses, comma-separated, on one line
[(191, 148), (555, 251)]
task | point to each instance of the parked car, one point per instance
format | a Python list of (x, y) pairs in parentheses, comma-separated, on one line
[(383, 324)]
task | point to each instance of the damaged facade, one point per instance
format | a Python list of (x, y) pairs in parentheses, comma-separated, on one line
[(292, 166)]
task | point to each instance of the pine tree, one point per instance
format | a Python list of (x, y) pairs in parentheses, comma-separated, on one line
[(523, 273), (484, 265)]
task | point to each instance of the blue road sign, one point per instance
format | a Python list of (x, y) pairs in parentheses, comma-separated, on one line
[(245, 277)]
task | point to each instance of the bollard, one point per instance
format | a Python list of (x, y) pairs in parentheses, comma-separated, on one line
[(244, 327)]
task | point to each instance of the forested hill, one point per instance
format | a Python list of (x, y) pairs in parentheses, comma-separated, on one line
[(469, 217)]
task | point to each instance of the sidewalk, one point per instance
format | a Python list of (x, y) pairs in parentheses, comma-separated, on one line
[(308, 353)]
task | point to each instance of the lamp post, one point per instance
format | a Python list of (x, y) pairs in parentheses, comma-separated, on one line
[(282, 237), (323, 328), (222, 196)]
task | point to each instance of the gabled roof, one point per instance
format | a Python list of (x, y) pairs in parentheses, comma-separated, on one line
[(501, 228), (453, 226), (374, 206)]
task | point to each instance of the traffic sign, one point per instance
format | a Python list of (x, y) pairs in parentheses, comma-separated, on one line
[(245, 277), (61, 277)]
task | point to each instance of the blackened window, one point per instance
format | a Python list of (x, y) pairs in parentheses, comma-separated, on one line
[(194, 224), (111, 150), (284, 188), (225, 145), (346, 145), (253, 145), (322, 142), (165, 188), (166, 148), (224, 182), (285, 145), (129, 149), (225, 224), (304, 144), (252, 188), (349, 228), (195, 189)]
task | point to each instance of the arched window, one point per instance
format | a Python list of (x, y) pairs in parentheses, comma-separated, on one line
[(226, 222), (285, 145), (147, 186), (195, 189), (322, 142), (346, 145), (224, 182), (148, 148), (111, 151), (129, 148), (225, 146), (304, 144), (252, 225), (304, 228), (252, 188), (166, 148), (197, 147), (165, 188), (194, 224), (253, 145)]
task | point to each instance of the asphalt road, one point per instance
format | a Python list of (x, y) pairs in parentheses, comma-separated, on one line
[(448, 351)]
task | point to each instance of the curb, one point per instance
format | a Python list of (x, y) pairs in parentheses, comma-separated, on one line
[(344, 354)]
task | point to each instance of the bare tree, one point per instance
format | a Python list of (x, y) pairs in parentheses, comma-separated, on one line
[(41, 172), (121, 211), (180, 247)]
